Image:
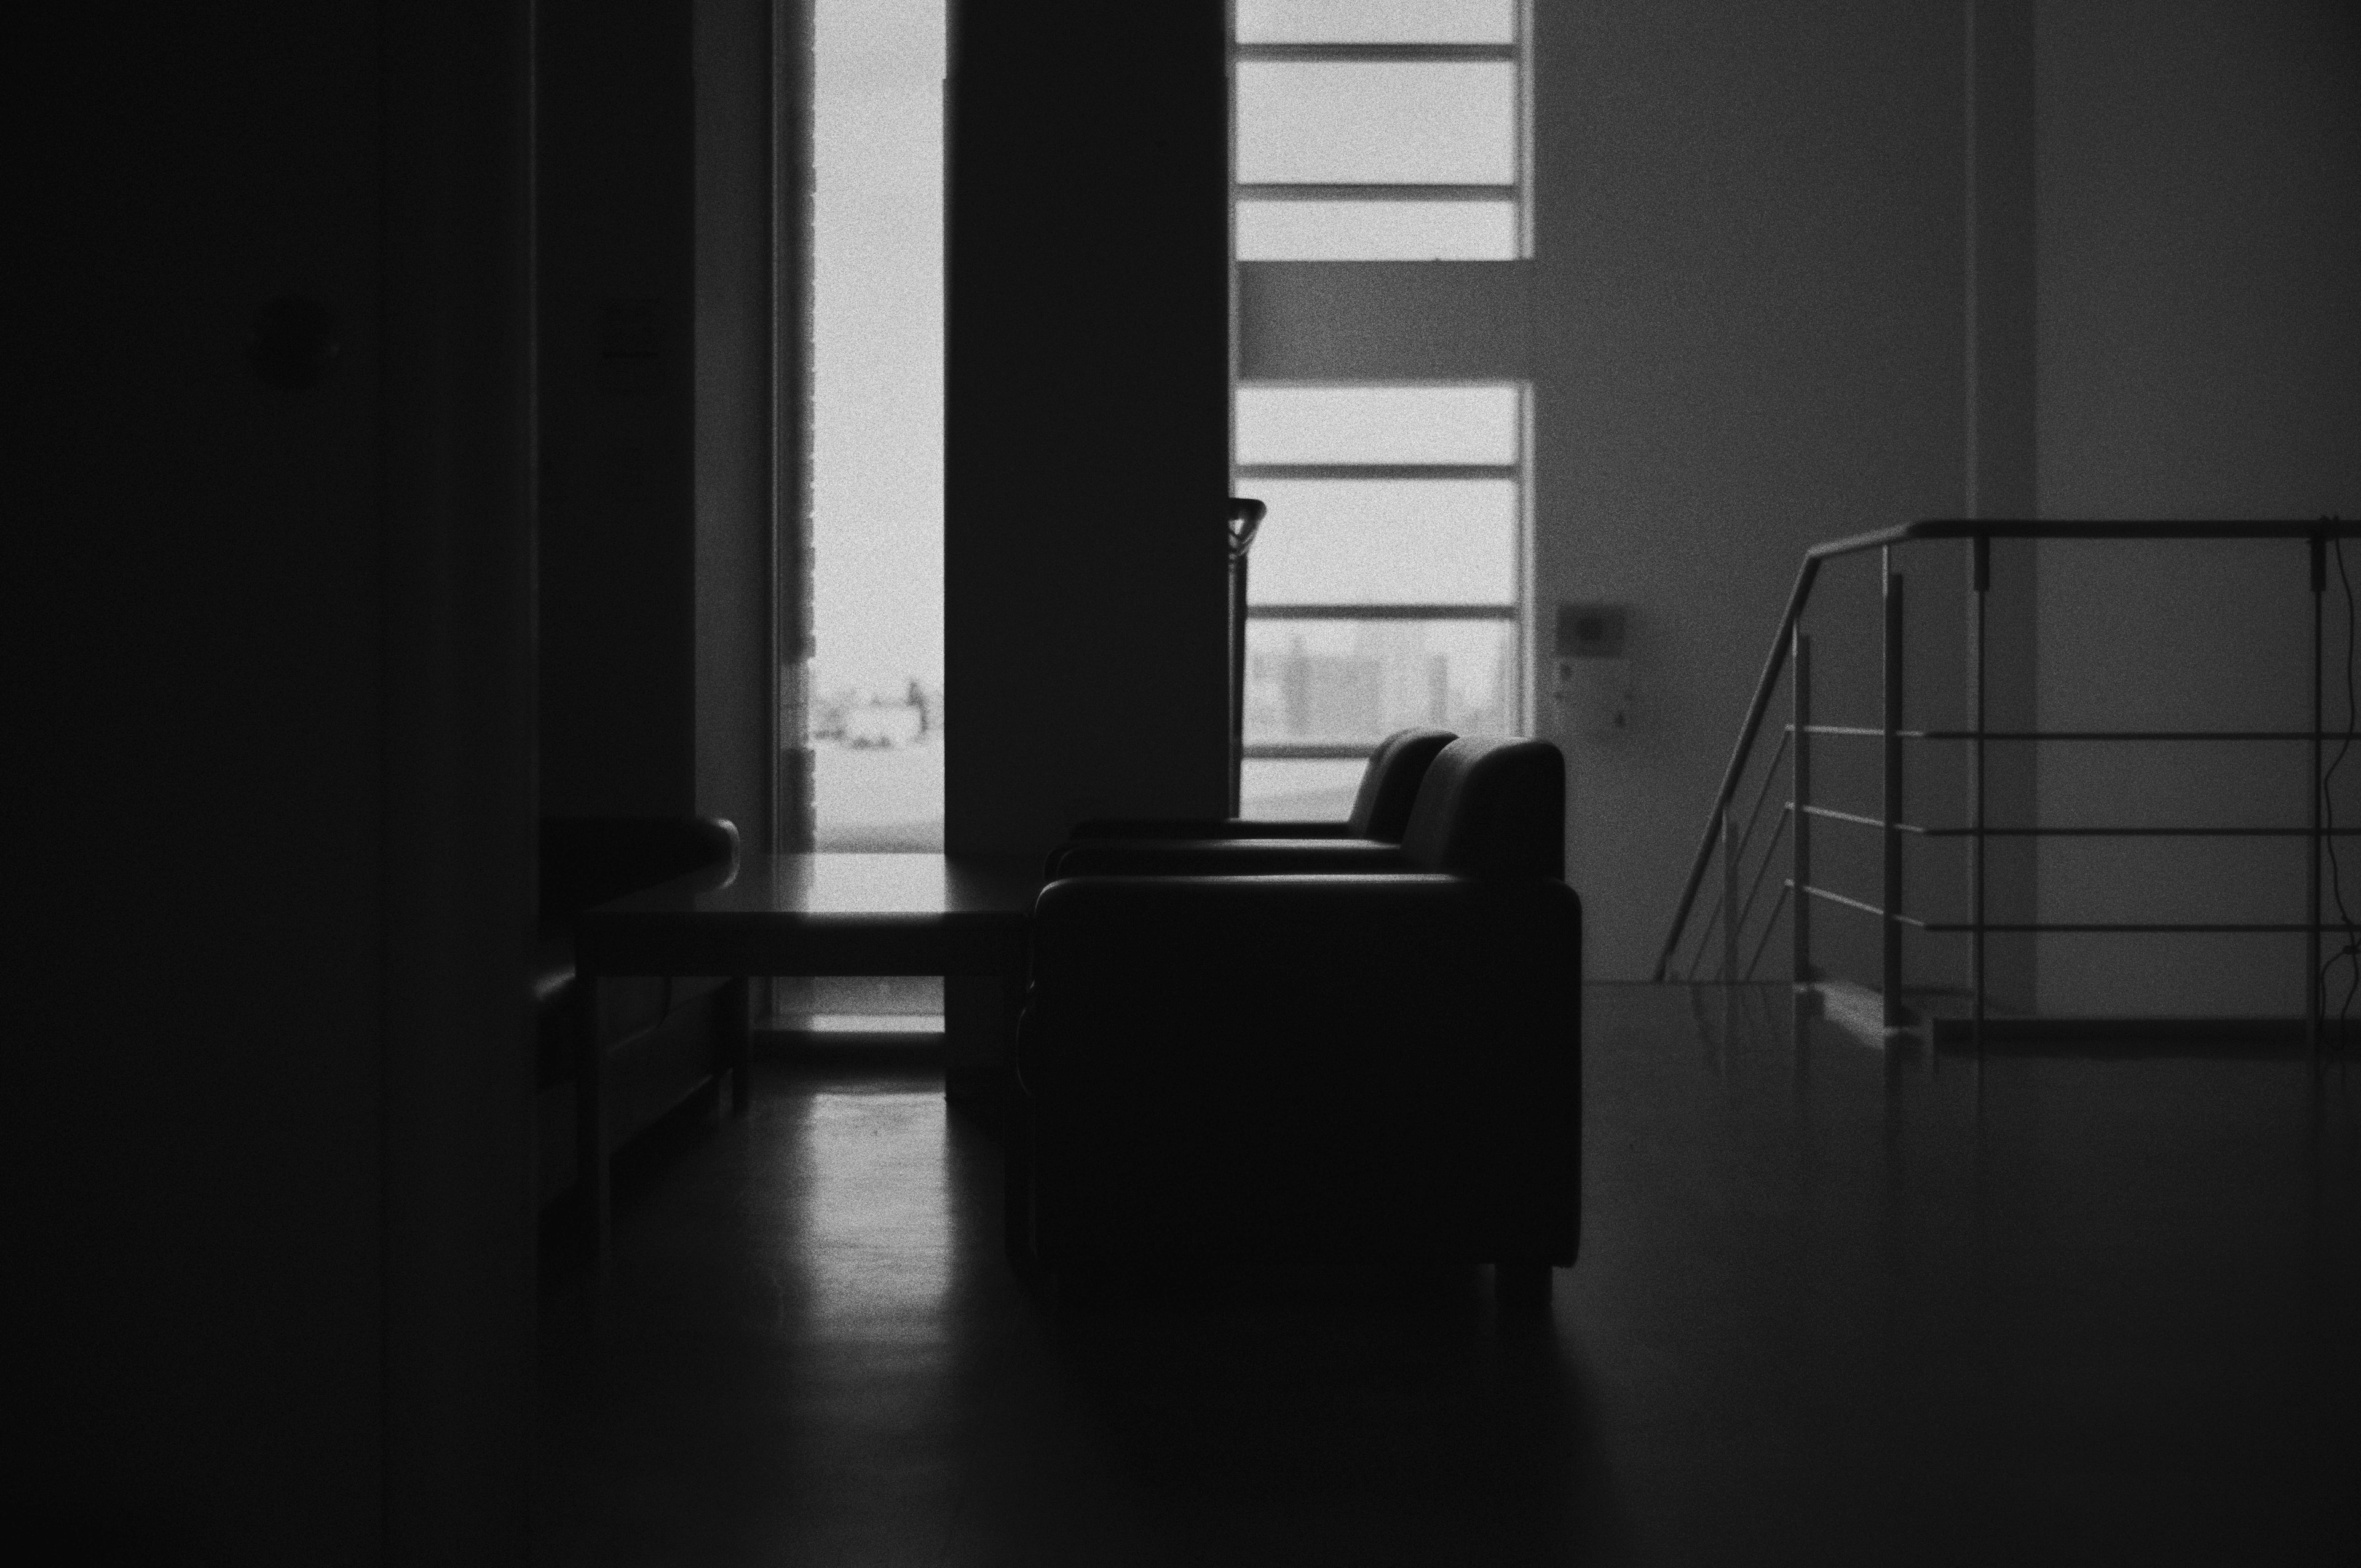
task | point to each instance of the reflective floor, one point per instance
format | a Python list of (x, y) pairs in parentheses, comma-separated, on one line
[(1835, 1304)]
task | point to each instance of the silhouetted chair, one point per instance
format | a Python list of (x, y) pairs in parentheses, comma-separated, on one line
[(1380, 1067), (666, 1038), (1380, 813)]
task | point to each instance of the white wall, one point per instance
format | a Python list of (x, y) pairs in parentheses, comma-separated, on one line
[(2200, 328), (1742, 327), (1747, 338)]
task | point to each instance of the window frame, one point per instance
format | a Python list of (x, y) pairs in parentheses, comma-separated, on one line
[(1518, 191), (1516, 611)]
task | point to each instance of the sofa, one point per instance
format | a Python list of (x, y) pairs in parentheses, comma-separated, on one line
[(1376, 1064)]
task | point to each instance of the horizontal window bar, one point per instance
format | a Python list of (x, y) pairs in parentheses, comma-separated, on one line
[(1375, 383), (1309, 750), (1377, 471), (1381, 612), (1378, 52), (1380, 192)]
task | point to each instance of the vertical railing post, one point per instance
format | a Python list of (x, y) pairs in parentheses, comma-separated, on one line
[(2314, 1002), (1729, 896), (1889, 961), (1800, 828), (1980, 585)]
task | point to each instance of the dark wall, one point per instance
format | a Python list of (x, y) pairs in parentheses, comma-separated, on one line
[(1086, 419), (270, 1212), (660, 360), (736, 356), (618, 350)]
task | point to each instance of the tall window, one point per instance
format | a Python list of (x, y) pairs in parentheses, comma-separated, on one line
[(1381, 130), (1385, 588), (876, 671)]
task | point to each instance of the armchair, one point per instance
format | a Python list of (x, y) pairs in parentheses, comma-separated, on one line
[(1377, 1067)]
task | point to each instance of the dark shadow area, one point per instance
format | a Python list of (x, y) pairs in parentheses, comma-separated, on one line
[(1332, 1416)]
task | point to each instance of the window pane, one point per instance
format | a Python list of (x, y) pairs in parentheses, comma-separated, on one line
[(1285, 789), (1359, 121), (1377, 21), (1376, 231), (1385, 541), (1376, 425), (1359, 681)]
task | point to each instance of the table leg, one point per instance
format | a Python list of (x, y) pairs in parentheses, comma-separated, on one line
[(1016, 1121), (591, 1108), (738, 1029)]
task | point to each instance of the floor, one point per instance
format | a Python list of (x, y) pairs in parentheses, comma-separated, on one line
[(1835, 1304)]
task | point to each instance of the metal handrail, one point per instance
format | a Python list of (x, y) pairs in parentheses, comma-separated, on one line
[(1982, 532)]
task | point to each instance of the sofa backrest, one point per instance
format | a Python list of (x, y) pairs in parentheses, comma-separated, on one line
[(1389, 784), (1491, 807)]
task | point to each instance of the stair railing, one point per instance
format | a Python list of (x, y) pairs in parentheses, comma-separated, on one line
[(1730, 834)]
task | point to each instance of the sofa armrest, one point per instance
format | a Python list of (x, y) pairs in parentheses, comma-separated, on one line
[(1209, 966), (1366, 1066)]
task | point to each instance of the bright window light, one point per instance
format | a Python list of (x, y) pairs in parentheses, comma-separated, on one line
[(1355, 682), (876, 673), (1376, 425), (1364, 122), (1289, 789), (1377, 21), (1385, 541), (1376, 231)]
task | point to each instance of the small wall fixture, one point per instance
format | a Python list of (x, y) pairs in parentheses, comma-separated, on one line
[(1592, 684)]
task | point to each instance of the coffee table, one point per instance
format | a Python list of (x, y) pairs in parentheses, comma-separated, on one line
[(794, 915)]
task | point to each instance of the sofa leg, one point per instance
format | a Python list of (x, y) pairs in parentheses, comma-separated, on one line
[(1521, 1290)]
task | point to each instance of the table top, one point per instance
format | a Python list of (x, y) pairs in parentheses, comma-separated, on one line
[(821, 914), (849, 888)]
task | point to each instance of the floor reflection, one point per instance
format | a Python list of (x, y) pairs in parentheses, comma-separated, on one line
[(1836, 1301), (873, 1240)]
